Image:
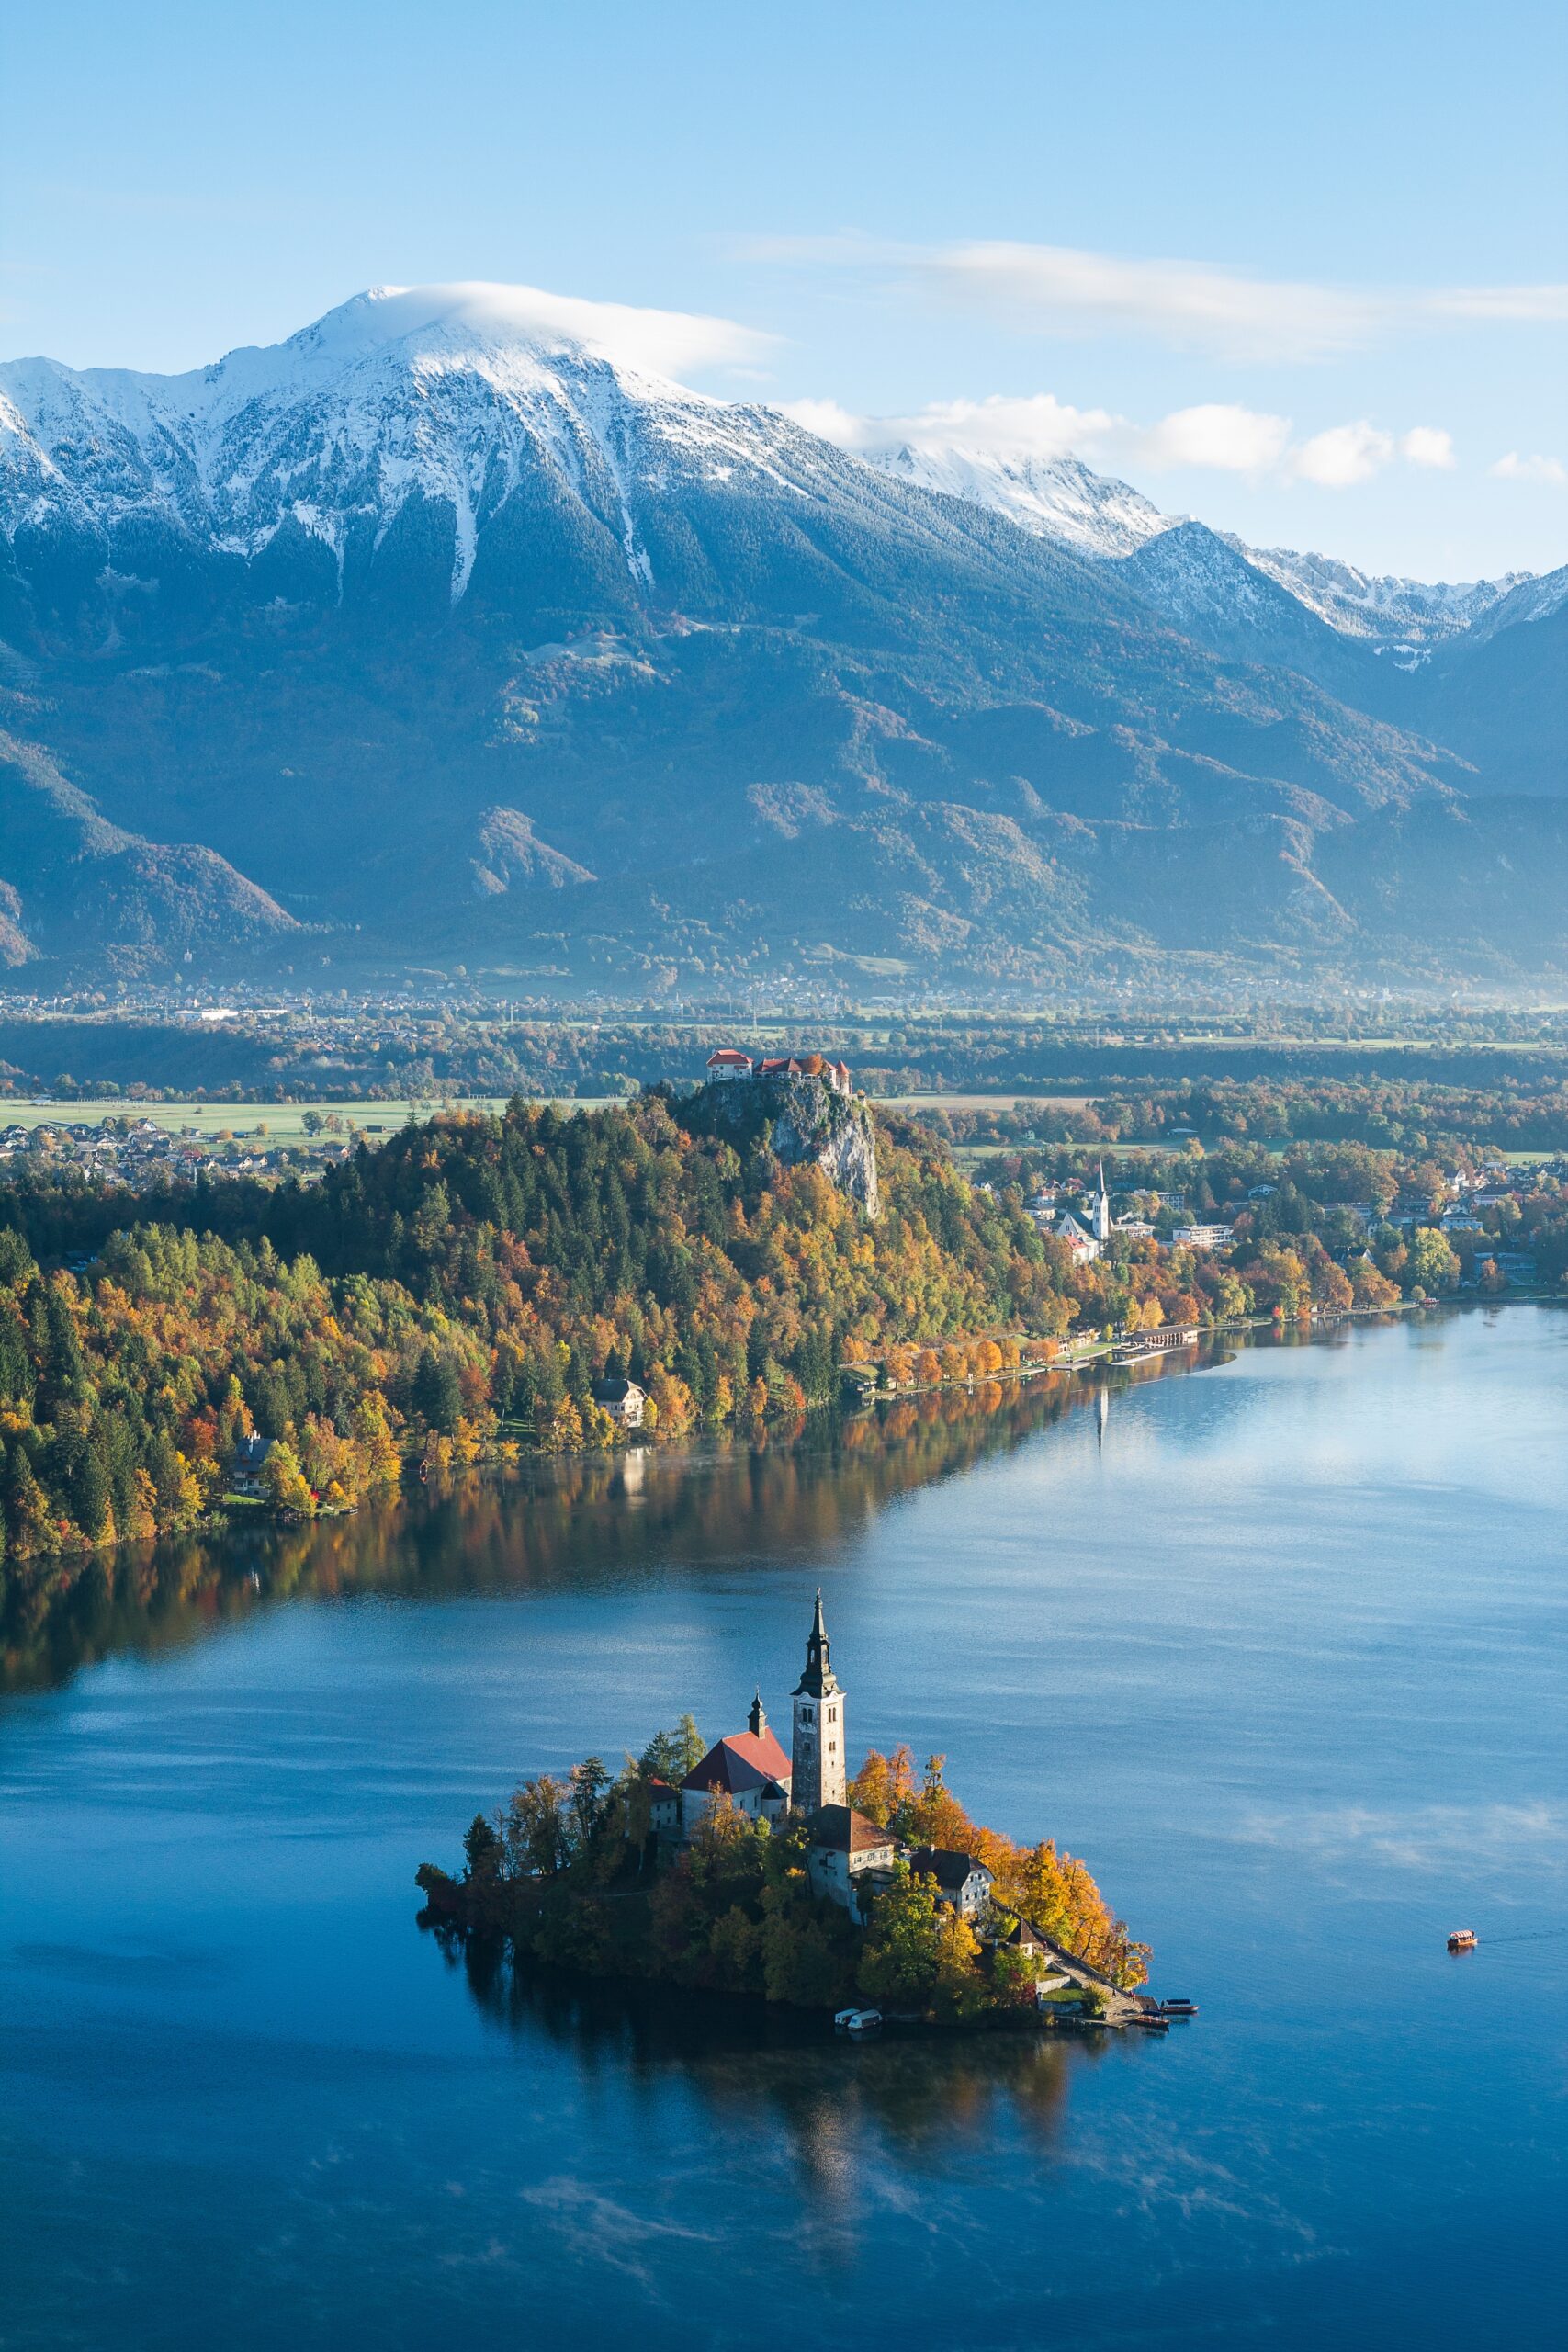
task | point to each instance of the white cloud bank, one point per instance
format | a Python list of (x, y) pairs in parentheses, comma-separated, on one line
[(1515, 467), (1216, 436), (1064, 289)]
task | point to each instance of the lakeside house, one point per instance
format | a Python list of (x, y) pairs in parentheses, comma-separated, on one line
[(250, 1460), (846, 1849), (623, 1400)]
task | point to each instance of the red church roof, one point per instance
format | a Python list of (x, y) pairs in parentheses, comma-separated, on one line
[(744, 1760)]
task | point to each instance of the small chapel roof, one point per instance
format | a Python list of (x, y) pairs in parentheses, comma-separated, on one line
[(744, 1759)]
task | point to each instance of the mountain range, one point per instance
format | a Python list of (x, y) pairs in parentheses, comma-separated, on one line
[(441, 635)]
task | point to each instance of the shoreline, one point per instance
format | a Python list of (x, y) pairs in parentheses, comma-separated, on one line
[(234, 1510)]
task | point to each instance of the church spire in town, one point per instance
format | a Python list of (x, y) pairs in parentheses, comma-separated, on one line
[(1103, 1209)]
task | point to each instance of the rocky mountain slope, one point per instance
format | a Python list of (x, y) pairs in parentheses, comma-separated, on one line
[(77, 890), (465, 640), (1396, 646)]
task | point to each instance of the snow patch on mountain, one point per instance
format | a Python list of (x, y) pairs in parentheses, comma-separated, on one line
[(1382, 607), (1056, 498)]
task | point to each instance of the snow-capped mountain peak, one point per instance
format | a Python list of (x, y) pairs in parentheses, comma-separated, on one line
[(454, 397), (1056, 498), (450, 394)]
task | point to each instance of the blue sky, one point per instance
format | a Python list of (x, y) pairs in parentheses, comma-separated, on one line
[(1300, 271)]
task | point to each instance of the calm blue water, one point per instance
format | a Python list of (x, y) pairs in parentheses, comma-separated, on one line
[(1283, 1658)]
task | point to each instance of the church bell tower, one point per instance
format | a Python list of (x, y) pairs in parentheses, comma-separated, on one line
[(817, 1759), (1103, 1209)]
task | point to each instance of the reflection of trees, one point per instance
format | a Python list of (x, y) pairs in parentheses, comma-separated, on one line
[(835, 2107), (592, 1519)]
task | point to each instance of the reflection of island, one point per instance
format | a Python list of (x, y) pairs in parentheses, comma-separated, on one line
[(555, 1521), (761, 2070)]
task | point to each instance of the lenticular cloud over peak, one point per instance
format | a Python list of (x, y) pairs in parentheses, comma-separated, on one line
[(661, 342)]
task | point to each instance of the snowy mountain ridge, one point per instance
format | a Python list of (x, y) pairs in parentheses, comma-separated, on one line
[(457, 394), (452, 628), (1056, 498), (1095, 514), (450, 394)]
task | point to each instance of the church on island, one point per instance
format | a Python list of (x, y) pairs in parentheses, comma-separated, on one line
[(848, 1858)]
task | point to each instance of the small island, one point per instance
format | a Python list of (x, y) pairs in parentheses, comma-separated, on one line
[(740, 1868)]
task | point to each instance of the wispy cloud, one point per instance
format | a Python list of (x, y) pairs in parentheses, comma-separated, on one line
[(1216, 437), (1515, 467), (1066, 291), (665, 342), (1522, 305)]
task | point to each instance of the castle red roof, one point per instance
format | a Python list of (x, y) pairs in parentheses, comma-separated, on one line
[(723, 1055), (745, 1760)]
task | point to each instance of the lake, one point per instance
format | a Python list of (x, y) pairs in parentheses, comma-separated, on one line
[(1276, 1643)]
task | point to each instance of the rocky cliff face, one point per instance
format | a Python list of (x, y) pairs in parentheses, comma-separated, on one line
[(803, 1122)]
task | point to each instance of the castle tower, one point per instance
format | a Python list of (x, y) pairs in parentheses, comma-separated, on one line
[(818, 1744), (1103, 1209)]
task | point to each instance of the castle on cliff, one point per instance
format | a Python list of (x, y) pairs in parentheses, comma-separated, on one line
[(727, 1064)]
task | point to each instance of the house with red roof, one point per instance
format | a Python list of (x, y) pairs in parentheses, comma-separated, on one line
[(847, 1851), (748, 1767)]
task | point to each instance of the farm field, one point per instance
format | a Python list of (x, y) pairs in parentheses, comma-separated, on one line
[(283, 1122)]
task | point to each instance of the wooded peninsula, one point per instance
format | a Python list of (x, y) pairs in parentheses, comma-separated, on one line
[(478, 1284)]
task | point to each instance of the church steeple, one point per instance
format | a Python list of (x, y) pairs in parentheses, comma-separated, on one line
[(819, 1772), (1103, 1209), (817, 1679), (757, 1722)]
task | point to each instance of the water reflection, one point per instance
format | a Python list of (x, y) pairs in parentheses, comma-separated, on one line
[(589, 1521), (842, 2112)]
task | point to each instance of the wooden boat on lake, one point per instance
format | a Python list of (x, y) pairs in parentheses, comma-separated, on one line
[(1463, 1939)]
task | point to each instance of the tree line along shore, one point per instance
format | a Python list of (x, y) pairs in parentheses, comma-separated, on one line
[(474, 1284)]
